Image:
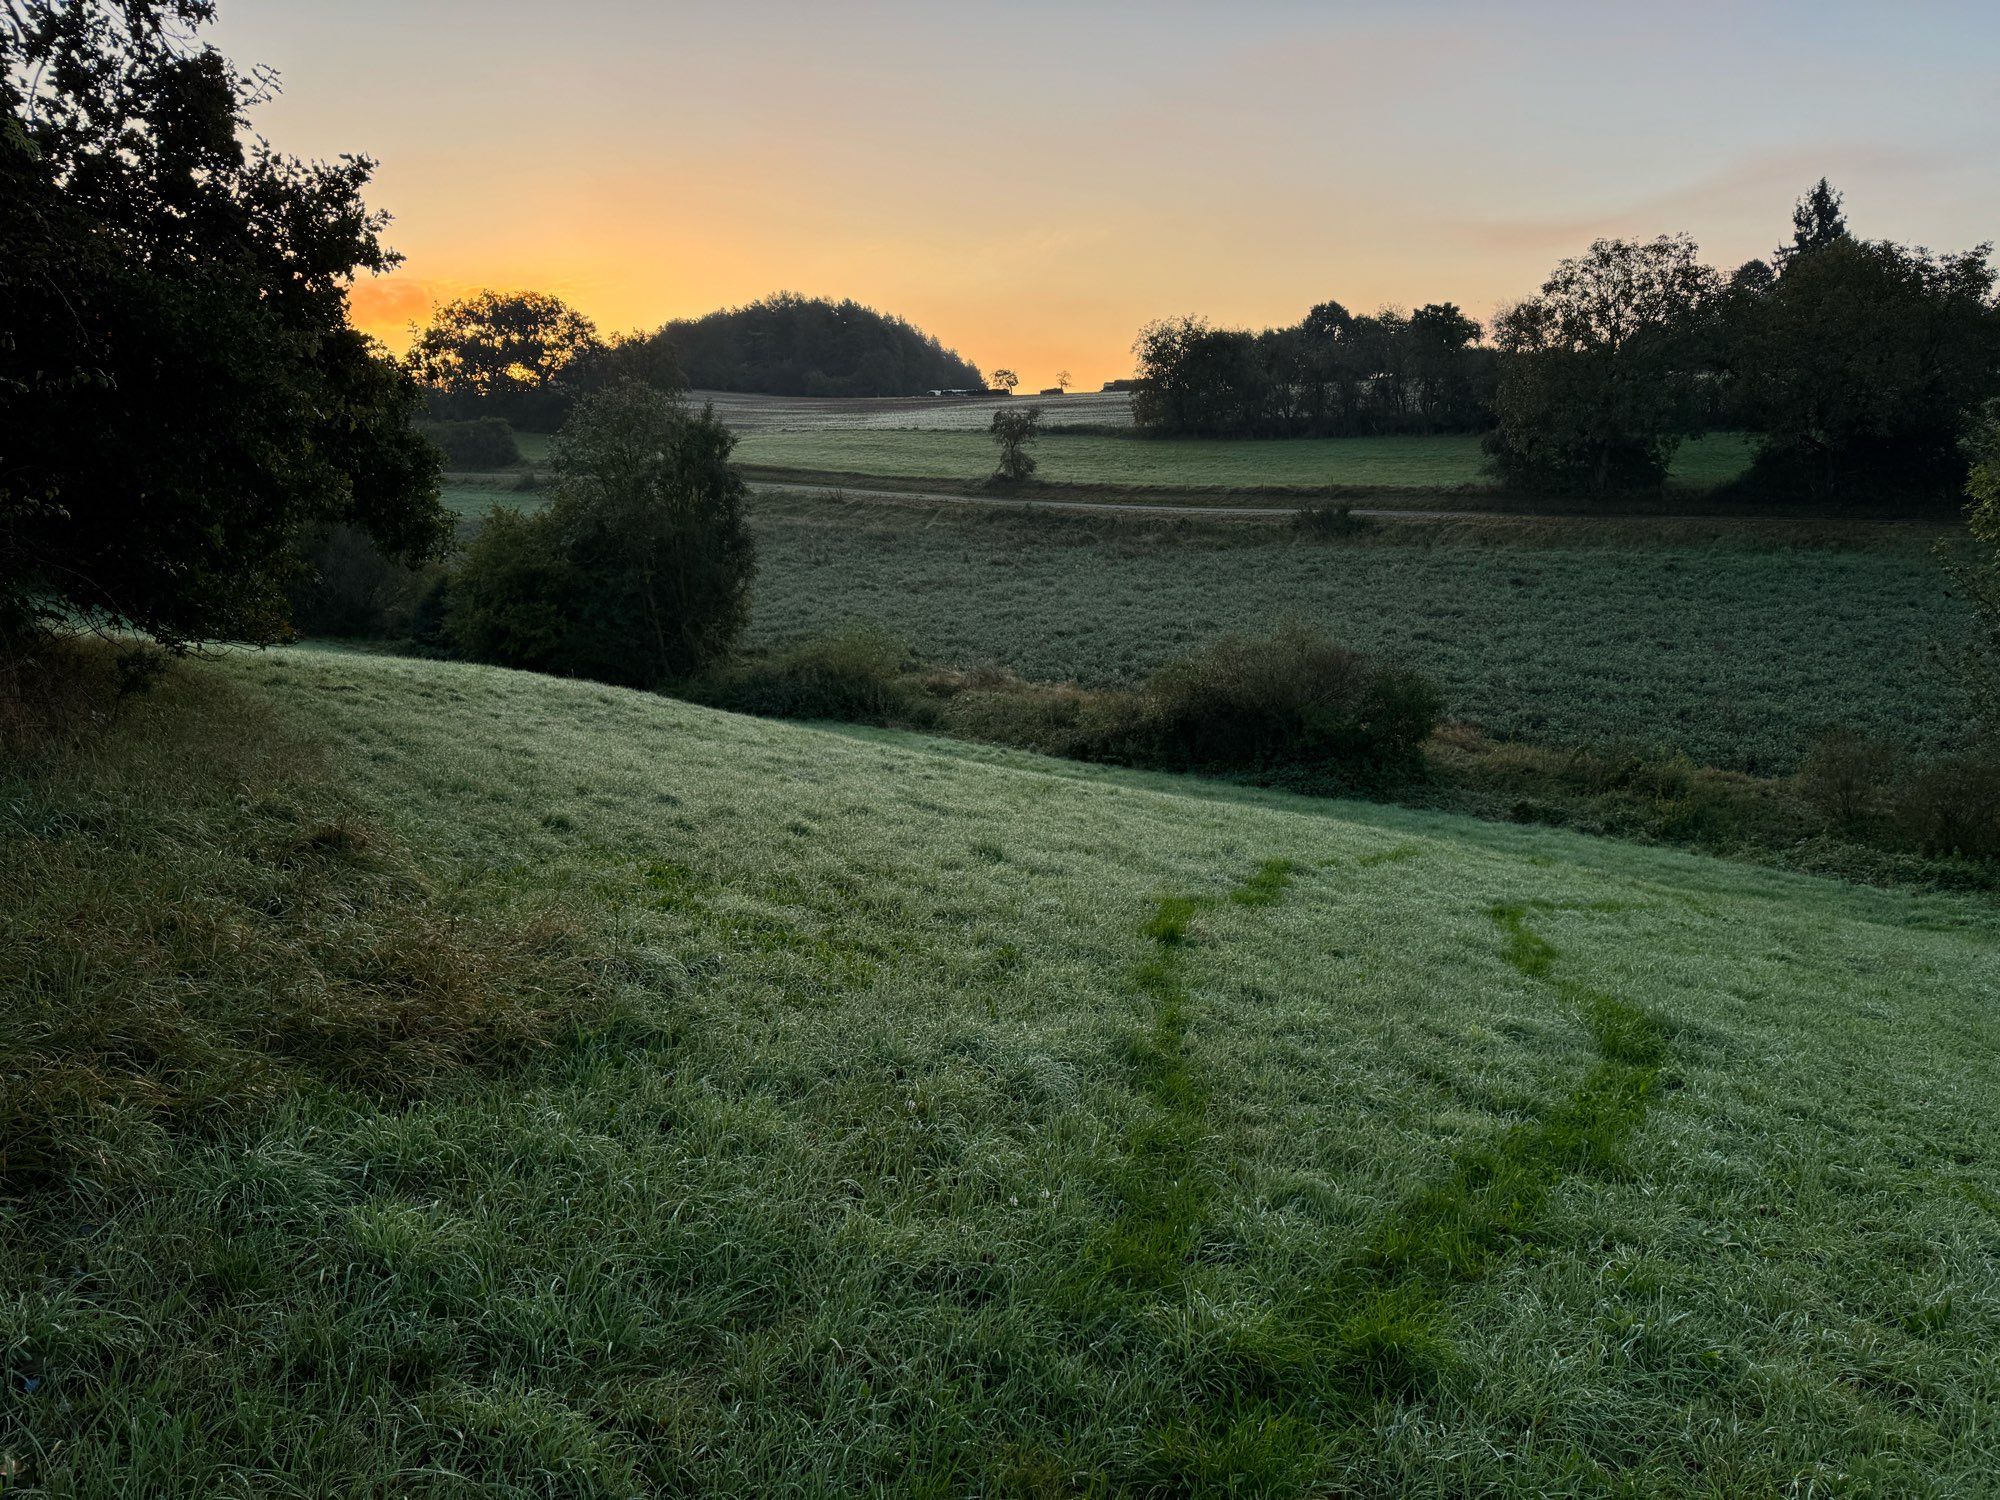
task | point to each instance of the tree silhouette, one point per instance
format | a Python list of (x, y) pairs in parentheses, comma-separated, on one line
[(181, 393), (1013, 428), (1818, 220)]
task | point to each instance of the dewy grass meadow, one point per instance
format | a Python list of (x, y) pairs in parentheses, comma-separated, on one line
[(819, 1185), (1737, 648)]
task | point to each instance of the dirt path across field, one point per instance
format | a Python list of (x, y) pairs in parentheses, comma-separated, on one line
[(1381, 513)]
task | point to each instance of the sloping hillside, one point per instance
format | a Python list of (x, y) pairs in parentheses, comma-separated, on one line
[(953, 1121)]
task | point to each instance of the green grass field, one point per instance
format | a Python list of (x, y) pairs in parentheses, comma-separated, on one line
[(1428, 463), (1738, 649), (948, 1121), (469, 497)]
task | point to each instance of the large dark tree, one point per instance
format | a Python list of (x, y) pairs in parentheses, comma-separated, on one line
[(1818, 220), (1194, 379), (1860, 362), (1599, 374), (181, 393), (504, 354)]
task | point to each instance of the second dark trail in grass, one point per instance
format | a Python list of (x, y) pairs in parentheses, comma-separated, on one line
[(1163, 1182), (1268, 1406)]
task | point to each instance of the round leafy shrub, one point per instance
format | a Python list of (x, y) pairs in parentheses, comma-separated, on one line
[(638, 573), (857, 677), (1292, 700)]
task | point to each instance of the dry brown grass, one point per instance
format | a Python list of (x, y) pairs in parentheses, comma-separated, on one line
[(195, 921)]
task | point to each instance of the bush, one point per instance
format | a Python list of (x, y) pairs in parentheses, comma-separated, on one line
[(1329, 522), (483, 443), (856, 677), (1292, 700), (637, 574), (1952, 807), (994, 705), (510, 600), (1844, 775), (351, 589)]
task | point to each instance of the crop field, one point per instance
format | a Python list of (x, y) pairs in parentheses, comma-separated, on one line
[(1442, 462), (951, 1121), (945, 439), (1737, 648), (762, 414)]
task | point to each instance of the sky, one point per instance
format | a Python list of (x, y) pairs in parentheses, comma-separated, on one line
[(1032, 182)]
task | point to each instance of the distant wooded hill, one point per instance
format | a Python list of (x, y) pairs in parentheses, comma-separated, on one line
[(788, 345)]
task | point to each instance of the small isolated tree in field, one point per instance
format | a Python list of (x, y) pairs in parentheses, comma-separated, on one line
[(1013, 429), (639, 573), (1005, 380), (1598, 372), (1062, 380)]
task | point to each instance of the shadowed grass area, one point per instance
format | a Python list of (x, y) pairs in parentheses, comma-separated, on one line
[(204, 923)]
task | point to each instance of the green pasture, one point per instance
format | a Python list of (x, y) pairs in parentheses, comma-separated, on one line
[(947, 1121)]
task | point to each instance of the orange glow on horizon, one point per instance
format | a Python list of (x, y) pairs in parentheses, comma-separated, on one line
[(1032, 184)]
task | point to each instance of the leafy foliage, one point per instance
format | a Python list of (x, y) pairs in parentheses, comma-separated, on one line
[(856, 676), (1013, 429), (788, 345), (1860, 363), (1819, 219), (481, 443), (1331, 375), (1288, 701), (503, 354), (155, 270), (638, 573), (1979, 575), (1598, 372), (349, 590)]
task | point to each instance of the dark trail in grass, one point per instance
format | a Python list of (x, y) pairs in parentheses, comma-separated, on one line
[(1268, 1406), (1161, 1184), (1266, 886), (1525, 951)]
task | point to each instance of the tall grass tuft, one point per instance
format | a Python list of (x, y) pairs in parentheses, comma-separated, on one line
[(197, 922)]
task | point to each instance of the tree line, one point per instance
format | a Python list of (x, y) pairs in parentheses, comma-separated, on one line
[(1332, 374), (788, 345), (1856, 364), (526, 357), (187, 406)]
